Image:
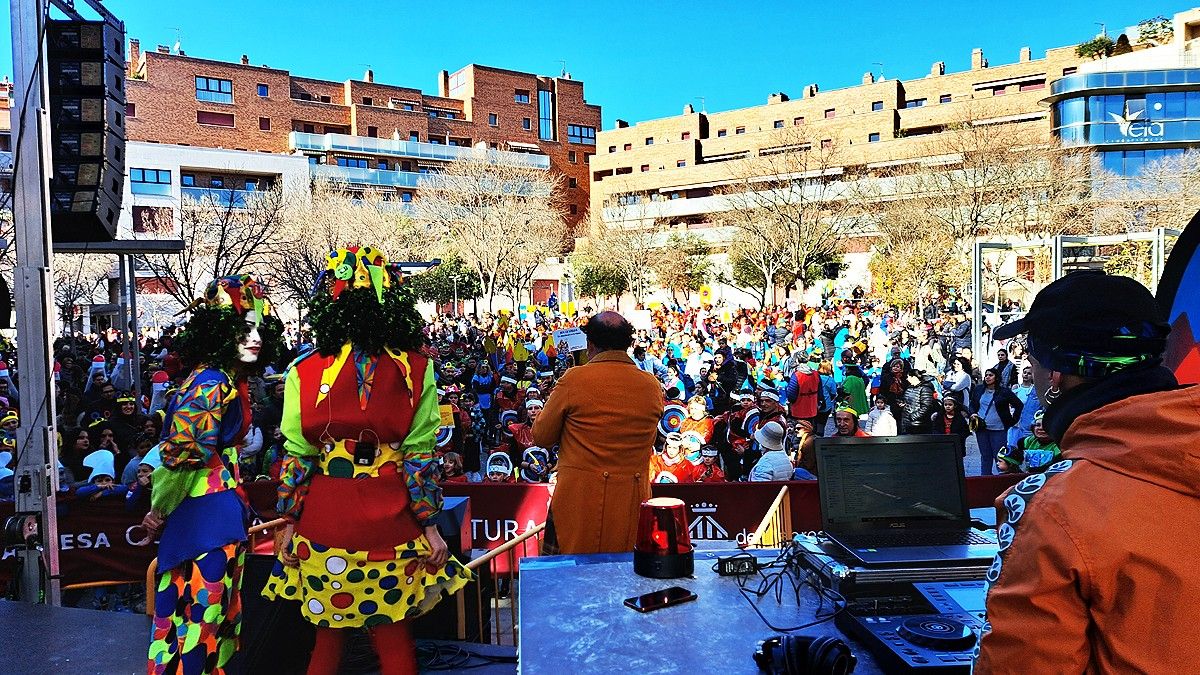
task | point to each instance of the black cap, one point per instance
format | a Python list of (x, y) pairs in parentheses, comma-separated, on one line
[(1088, 309)]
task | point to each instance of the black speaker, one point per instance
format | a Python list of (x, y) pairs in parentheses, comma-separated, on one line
[(86, 78)]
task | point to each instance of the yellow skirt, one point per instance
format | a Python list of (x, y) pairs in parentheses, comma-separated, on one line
[(337, 588)]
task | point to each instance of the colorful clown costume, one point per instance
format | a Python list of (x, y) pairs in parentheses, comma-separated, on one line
[(197, 610), (359, 481)]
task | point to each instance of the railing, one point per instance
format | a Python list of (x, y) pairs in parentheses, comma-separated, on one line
[(353, 174), (775, 529), (500, 580), (6, 161), (298, 140), (161, 189), (222, 197), (152, 571)]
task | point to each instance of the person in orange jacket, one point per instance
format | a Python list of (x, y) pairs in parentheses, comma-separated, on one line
[(1097, 568)]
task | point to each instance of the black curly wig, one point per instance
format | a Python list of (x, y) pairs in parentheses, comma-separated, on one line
[(212, 335), (357, 317)]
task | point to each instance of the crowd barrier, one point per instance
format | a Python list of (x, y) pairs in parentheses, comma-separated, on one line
[(96, 538)]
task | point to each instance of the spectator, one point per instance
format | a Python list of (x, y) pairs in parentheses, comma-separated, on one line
[(774, 464), (604, 417), (100, 481), (671, 466), (854, 386), (1033, 454), (958, 382), (1007, 369), (880, 421), (709, 470), (804, 457), (993, 410), (845, 420), (803, 393), (919, 403), (950, 419)]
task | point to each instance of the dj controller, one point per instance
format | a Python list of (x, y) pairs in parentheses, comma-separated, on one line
[(913, 620)]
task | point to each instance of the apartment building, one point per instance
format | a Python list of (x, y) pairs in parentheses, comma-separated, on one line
[(360, 132)]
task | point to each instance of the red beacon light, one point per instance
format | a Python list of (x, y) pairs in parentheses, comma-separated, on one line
[(664, 548)]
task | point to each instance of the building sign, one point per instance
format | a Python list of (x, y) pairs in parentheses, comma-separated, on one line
[(1135, 129)]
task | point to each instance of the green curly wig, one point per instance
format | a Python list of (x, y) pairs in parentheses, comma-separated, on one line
[(212, 335), (357, 317)]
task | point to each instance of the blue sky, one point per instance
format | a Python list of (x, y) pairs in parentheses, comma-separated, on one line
[(639, 59)]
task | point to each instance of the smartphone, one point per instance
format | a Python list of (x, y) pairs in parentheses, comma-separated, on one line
[(659, 599)]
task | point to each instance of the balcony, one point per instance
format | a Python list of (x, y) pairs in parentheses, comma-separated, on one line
[(380, 177), (220, 197), (393, 148)]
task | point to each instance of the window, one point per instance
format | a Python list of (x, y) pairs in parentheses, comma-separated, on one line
[(263, 90), (778, 124), (251, 184), (873, 138), (944, 98), (915, 103), (546, 130), (998, 91), (214, 119), (131, 109), (740, 130), (352, 162), (213, 90), (526, 123), (1033, 85), (685, 135), (876, 106), (326, 99), (829, 114), (1070, 70), (627, 147), (406, 165), (681, 163), (493, 120), (650, 140), (582, 135), (826, 143), (367, 100), (587, 159), (612, 149), (435, 141), (571, 183), (187, 180), (797, 121), (216, 181), (721, 133), (308, 129), (414, 137), (382, 165), (521, 96), (645, 168), (264, 124), (433, 114), (143, 180), (152, 219), (571, 156), (406, 197), (451, 115)]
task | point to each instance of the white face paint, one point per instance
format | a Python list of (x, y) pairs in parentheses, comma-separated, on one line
[(249, 347)]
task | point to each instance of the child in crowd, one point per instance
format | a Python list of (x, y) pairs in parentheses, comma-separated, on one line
[(709, 470), (100, 481), (1033, 454), (452, 468), (138, 499)]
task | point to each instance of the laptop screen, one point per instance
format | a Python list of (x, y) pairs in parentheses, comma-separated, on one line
[(891, 482)]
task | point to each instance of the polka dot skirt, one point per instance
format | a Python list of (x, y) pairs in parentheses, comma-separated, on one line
[(350, 589)]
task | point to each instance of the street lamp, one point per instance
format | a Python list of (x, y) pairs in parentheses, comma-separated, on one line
[(455, 279)]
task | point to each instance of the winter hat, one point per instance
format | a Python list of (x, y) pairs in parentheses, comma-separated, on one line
[(101, 464), (770, 436), (153, 458), (534, 401), (9, 416), (499, 462)]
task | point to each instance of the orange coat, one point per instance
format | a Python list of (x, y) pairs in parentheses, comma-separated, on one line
[(1098, 569), (604, 417)]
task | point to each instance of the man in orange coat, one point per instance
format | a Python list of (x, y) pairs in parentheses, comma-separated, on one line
[(1097, 567), (604, 417)]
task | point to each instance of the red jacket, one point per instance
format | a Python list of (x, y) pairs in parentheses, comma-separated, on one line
[(805, 388), (1099, 574)]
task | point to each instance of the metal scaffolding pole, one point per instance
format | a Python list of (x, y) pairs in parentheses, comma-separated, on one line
[(35, 481), (977, 303), (135, 329)]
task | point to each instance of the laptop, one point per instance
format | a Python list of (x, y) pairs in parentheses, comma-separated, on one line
[(899, 501)]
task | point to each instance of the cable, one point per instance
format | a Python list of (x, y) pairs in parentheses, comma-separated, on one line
[(785, 563), (439, 657)]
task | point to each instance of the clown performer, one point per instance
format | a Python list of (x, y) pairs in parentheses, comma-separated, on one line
[(360, 415), (195, 504)]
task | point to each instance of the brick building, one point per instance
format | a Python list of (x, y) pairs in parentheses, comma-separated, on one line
[(361, 132), (666, 173)]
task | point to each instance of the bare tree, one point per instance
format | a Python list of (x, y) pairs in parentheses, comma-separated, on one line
[(331, 218), (490, 214), (224, 233), (627, 243), (791, 204), (682, 265), (78, 281)]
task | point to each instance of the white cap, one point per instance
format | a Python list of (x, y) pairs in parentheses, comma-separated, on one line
[(153, 457), (770, 436)]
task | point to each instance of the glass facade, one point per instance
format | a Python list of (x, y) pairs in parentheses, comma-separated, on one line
[(1154, 114)]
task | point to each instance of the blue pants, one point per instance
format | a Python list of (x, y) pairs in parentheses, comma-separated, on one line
[(990, 443)]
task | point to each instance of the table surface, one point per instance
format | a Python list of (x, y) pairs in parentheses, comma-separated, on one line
[(573, 619), (42, 639)]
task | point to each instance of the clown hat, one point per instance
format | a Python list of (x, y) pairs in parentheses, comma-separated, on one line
[(101, 464), (153, 458)]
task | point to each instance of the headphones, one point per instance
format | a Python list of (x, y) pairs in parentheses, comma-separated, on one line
[(804, 655)]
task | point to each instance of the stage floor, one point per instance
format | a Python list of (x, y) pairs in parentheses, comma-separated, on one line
[(41, 639)]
